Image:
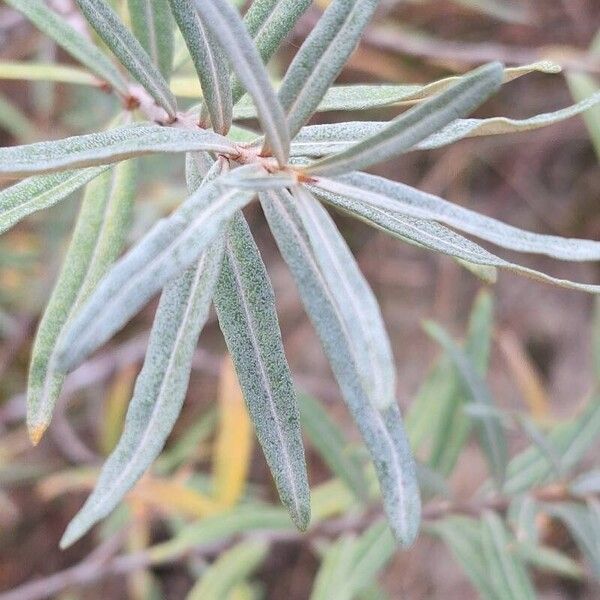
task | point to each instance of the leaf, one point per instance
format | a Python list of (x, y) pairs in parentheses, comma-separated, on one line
[(506, 570), (228, 29), (129, 51), (357, 304), (115, 407), (490, 431), (159, 390), (247, 316), (106, 147), (210, 62), (329, 441), (404, 212), (97, 241), (231, 568), (152, 25), (72, 41), (321, 58), (417, 124), (258, 179), (586, 484), (549, 560), (169, 248), (382, 431), (233, 445), (31, 71), (322, 140), (39, 192)]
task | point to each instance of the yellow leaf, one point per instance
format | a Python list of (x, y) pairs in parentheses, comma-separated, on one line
[(233, 445)]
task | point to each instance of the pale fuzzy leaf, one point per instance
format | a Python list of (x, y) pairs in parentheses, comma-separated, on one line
[(255, 177), (159, 390), (97, 241), (586, 484), (416, 124), (170, 247), (245, 306), (129, 51), (411, 214), (106, 147), (231, 568), (152, 25), (228, 29), (549, 560), (39, 192), (32, 71), (321, 58), (210, 63), (357, 304), (382, 431), (71, 40)]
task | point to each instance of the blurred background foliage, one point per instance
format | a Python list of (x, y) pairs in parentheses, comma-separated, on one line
[(516, 364)]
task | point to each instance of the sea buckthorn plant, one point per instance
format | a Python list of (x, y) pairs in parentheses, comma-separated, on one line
[(203, 253)]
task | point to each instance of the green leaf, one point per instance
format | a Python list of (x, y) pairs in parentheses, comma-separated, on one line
[(329, 441), (321, 58), (357, 304), (586, 484), (171, 246), (505, 568), (152, 25), (382, 431), (417, 124), (228, 29), (129, 51), (490, 431), (254, 177), (72, 41), (210, 63), (246, 309), (159, 391), (97, 241), (231, 568), (549, 560), (39, 192), (106, 147)]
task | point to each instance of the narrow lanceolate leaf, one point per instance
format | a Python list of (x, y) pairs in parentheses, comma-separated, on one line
[(490, 429), (322, 57), (413, 216), (269, 22), (171, 246), (152, 25), (98, 238), (228, 29), (129, 51), (417, 124), (246, 309), (106, 147), (210, 62), (382, 430), (506, 570), (71, 40), (159, 390), (39, 192), (357, 303)]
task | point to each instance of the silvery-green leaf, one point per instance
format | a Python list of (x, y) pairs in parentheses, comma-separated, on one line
[(382, 431), (506, 570), (586, 484), (328, 439), (417, 124), (549, 560), (228, 29), (129, 51), (490, 430), (169, 248), (255, 177), (106, 147), (159, 391), (245, 306), (357, 303), (39, 192), (321, 58), (71, 40), (412, 215), (97, 241), (152, 25), (322, 140), (210, 63)]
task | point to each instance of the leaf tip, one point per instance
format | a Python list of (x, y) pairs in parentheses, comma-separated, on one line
[(36, 432)]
